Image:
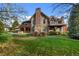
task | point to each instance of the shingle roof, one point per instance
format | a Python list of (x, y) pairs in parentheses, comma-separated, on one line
[(26, 22)]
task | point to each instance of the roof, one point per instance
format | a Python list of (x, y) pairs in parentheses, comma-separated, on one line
[(26, 22), (56, 18)]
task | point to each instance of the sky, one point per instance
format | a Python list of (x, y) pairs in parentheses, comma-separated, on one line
[(31, 7), (46, 8)]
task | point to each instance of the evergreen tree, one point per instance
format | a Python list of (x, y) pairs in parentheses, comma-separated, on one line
[(73, 23)]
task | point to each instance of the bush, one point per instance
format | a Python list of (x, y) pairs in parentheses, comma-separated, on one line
[(43, 33), (39, 33), (5, 37), (21, 35), (36, 34), (54, 33), (75, 36), (64, 34)]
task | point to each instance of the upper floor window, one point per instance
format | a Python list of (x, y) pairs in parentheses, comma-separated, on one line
[(59, 22)]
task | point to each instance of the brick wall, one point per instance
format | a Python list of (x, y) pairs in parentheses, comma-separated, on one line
[(38, 20)]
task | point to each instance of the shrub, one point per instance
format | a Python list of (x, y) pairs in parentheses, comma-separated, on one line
[(75, 36), (36, 34), (58, 33), (5, 37), (39, 33), (43, 34), (64, 34), (54, 33), (21, 35)]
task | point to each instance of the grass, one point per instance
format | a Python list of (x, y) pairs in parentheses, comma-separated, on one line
[(41, 46)]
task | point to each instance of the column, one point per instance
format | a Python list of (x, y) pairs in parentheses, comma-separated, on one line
[(61, 29), (24, 29)]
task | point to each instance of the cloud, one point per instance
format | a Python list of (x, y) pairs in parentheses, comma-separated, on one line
[(28, 17), (23, 18), (58, 16), (65, 14)]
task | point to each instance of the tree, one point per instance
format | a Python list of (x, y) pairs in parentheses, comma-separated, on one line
[(15, 24), (8, 11), (1, 27), (74, 20)]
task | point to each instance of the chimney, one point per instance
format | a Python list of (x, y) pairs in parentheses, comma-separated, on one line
[(38, 15), (38, 19), (38, 10)]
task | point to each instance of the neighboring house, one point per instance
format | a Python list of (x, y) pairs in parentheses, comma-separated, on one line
[(25, 26), (40, 22)]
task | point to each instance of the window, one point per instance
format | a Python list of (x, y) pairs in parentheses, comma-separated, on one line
[(44, 21)]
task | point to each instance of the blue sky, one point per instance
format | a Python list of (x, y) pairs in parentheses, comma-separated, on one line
[(30, 7), (45, 8)]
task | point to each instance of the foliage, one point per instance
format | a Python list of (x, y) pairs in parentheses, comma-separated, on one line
[(75, 36), (54, 33), (43, 34), (65, 34), (15, 24), (21, 35), (74, 22), (39, 34), (8, 11), (1, 27)]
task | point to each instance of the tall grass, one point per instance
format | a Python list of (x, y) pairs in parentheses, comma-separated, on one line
[(50, 45), (5, 37)]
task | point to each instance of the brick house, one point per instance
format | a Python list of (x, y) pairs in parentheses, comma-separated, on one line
[(25, 26), (39, 22)]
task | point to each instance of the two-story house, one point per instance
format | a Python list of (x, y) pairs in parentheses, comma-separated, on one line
[(39, 22)]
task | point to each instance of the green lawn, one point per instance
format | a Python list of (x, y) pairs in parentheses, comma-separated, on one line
[(41, 46)]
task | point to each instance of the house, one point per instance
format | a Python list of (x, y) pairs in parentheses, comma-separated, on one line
[(25, 26), (39, 22)]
